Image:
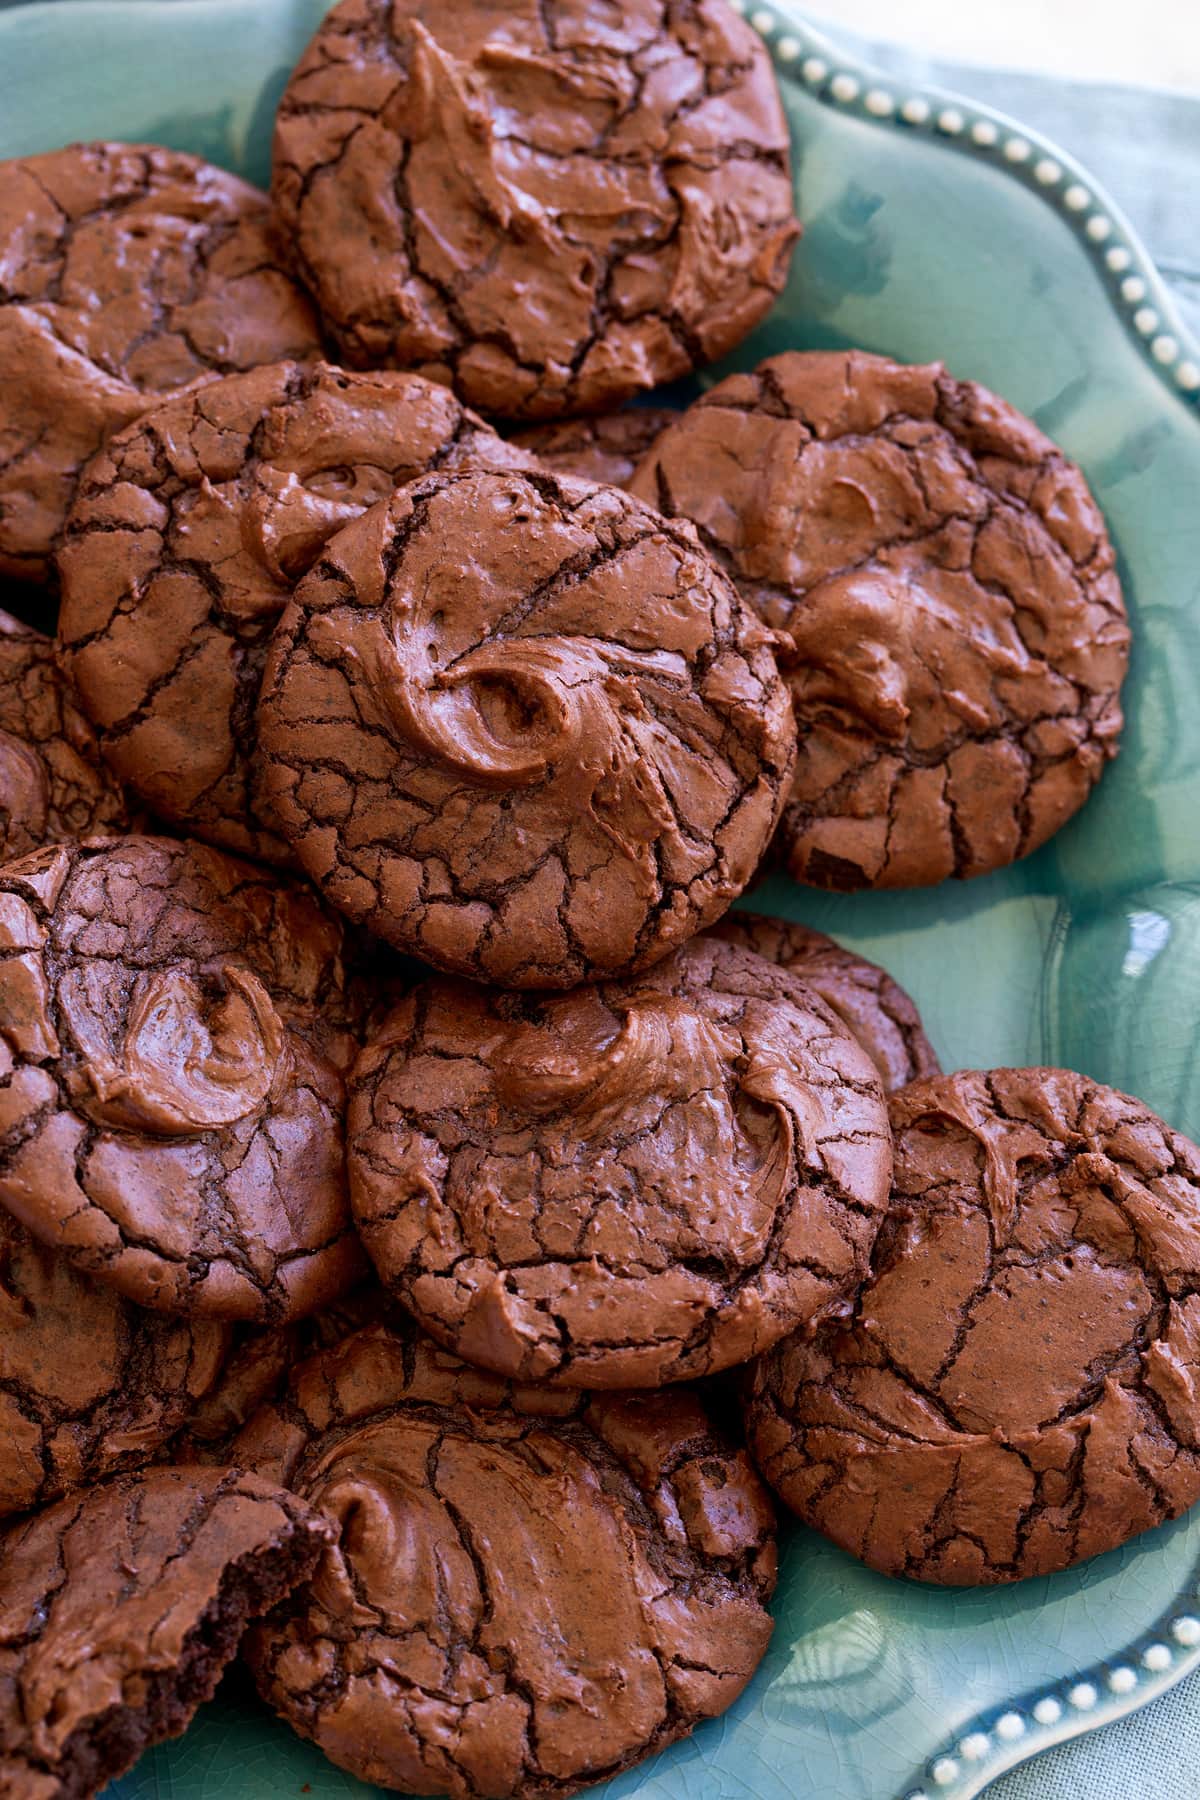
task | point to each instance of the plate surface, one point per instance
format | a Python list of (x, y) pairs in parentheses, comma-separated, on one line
[(934, 229)]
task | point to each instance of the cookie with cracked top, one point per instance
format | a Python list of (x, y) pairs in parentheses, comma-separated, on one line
[(958, 637), (1016, 1388), (53, 782), (631, 1184), (606, 449), (869, 1003), (524, 728), (89, 1383), (188, 534), (126, 271), (121, 1607), (530, 1590), (171, 1110), (550, 205)]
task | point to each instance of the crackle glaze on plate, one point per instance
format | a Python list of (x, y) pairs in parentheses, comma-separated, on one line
[(934, 228)]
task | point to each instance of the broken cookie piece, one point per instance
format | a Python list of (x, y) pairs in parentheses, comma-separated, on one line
[(607, 449)]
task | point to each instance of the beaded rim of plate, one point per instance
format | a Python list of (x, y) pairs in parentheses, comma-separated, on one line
[(806, 56)]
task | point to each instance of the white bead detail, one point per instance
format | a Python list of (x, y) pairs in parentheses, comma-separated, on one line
[(1117, 258), (1156, 1658), (815, 69), (880, 103), (788, 49), (1122, 1680), (1076, 198), (763, 22), (1098, 228), (915, 111), (1009, 1727), (1048, 1711), (944, 1771), (1145, 320), (1018, 150), (845, 88), (739, 6), (985, 133), (1048, 171), (951, 121), (974, 1747), (1133, 288), (1186, 1631), (1165, 349), (1187, 374), (1083, 1696)]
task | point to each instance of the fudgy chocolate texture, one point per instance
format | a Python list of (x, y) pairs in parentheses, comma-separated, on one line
[(547, 203), (53, 783), (119, 1608), (1017, 1386), (607, 450), (530, 1590), (89, 1382), (946, 582), (523, 728), (623, 1186), (865, 998), (126, 271), (169, 1118), (188, 534)]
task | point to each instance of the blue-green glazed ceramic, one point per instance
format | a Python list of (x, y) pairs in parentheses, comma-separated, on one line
[(934, 229)]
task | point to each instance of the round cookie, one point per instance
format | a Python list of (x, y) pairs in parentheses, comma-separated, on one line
[(126, 271), (188, 534), (944, 577), (624, 1186), (524, 729), (529, 1591), (170, 1119), (1016, 1388), (873, 1007), (53, 783), (89, 1383), (120, 1608), (605, 450), (548, 208)]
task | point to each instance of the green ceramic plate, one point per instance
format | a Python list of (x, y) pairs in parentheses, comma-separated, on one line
[(934, 229)]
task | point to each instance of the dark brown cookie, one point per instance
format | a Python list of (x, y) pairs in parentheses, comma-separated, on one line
[(169, 1119), (189, 533), (607, 449), (531, 1590), (622, 1186), (126, 271), (864, 996), (524, 729), (89, 1382), (550, 205), (53, 782), (1017, 1386), (958, 635), (119, 1609)]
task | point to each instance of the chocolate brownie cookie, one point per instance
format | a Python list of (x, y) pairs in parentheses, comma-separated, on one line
[(169, 1120), (530, 1590), (548, 204), (864, 996), (949, 591), (1017, 1386), (89, 1383), (119, 1609), (188, 534), (626, 1185), (607, 450), (126, 271), (53, 783), (524, 729)]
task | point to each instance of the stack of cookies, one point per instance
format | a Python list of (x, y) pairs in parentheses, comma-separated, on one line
[(398, 1134)]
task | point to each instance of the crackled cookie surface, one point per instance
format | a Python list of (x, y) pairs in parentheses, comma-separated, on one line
[(530, 1590), (523, 728), (622, 1186), (607, 449), (119, 1609), (550, 204), (949, 591), (865, 998), (53, 783), (126, 271), (187, 536), (170, 1118), (1016, 1388), (89, 1382)]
